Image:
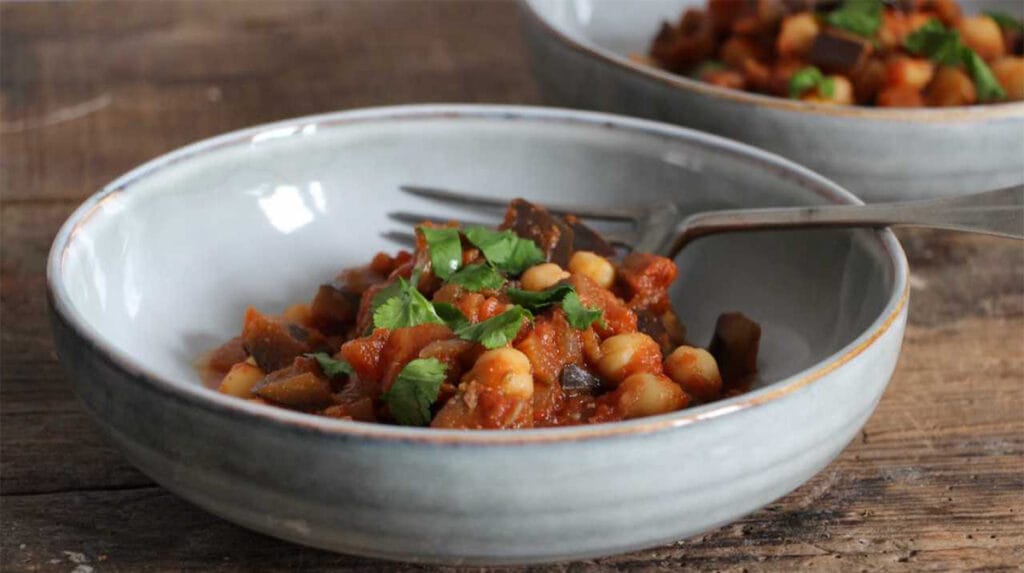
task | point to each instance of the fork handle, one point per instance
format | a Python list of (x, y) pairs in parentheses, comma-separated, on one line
[(999, 212)]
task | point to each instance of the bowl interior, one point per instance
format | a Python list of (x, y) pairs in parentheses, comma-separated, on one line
[(625, 27), (162, 268)]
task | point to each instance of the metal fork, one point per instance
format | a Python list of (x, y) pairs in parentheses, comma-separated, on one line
[(662, 229)]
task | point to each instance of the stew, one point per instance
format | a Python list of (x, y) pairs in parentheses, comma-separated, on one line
[(890, 53), (538, 323)]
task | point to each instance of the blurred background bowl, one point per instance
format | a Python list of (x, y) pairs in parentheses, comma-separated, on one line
[(580, 53)]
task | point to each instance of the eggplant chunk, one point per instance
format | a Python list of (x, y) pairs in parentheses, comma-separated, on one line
[(577, 379), (734, 346), (558, 237), (839, 52), (554, 236), (587, 239), (334, 309), (304, 391), (648, 323), (665, 329), (275, 343)]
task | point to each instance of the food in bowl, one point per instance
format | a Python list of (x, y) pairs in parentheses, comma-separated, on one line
[(535, 324), (888, 53)]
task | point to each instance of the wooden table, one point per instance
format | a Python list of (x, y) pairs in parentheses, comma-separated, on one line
[(935, 481)]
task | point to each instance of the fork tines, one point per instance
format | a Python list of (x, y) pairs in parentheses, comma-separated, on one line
[(493, 207), (467, 200)]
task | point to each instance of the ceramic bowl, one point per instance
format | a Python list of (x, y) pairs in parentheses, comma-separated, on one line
[(580, 57), (160, 265)]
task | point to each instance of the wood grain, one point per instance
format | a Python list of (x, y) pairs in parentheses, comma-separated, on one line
[(935, 481)]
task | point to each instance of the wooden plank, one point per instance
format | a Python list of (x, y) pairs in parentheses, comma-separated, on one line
[(89, 90), (130, 81), (939, 461)]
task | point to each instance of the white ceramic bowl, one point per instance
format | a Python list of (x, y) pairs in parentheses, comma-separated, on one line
[(157, 267), (580, 55)]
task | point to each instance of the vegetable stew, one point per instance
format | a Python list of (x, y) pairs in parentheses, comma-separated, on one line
[(890, 53), (535, 324)]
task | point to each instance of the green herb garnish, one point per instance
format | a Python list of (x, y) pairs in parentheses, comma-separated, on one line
[(505, 250), (580, 317), (445, 249), (451, 315), (862, 17), (497, 331), (988, 86), (1006, 21), (810, 78), (535, 301), (332, 367), (934, 41), (941, 45), (477, 277), (383, 295), (407, 308), (415, 391)]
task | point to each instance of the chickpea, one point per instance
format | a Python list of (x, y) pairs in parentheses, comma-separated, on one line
[(900, 96), (647, 394), (593, 266), (913, 72), (1010, 73), (797, 34), (948, 11), (542, 276), (626, 354), (951, 87), (696, 371), (842, 93), (240, 380), (506, 369), (982, 34)]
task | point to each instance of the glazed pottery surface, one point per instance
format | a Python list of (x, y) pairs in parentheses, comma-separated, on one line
[(160, 266), (581, 58)]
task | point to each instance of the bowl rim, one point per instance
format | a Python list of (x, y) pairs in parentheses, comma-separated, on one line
[(197, 395), (977, 112)]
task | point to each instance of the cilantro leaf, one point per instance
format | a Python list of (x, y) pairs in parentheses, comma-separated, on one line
[(1006, 21), (988, 86), (580, 317), (934, 41), (383, 295), (445, 249), (497, 331), (451, 315), (504, 249), (477, 277), (525, 254), (827, 87), (536, 300), (408, 308), (331, 366), (945, 47), (415, 391), (810, 78), (862, 17)]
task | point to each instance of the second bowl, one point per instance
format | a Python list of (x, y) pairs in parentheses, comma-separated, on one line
[(580, 53)]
